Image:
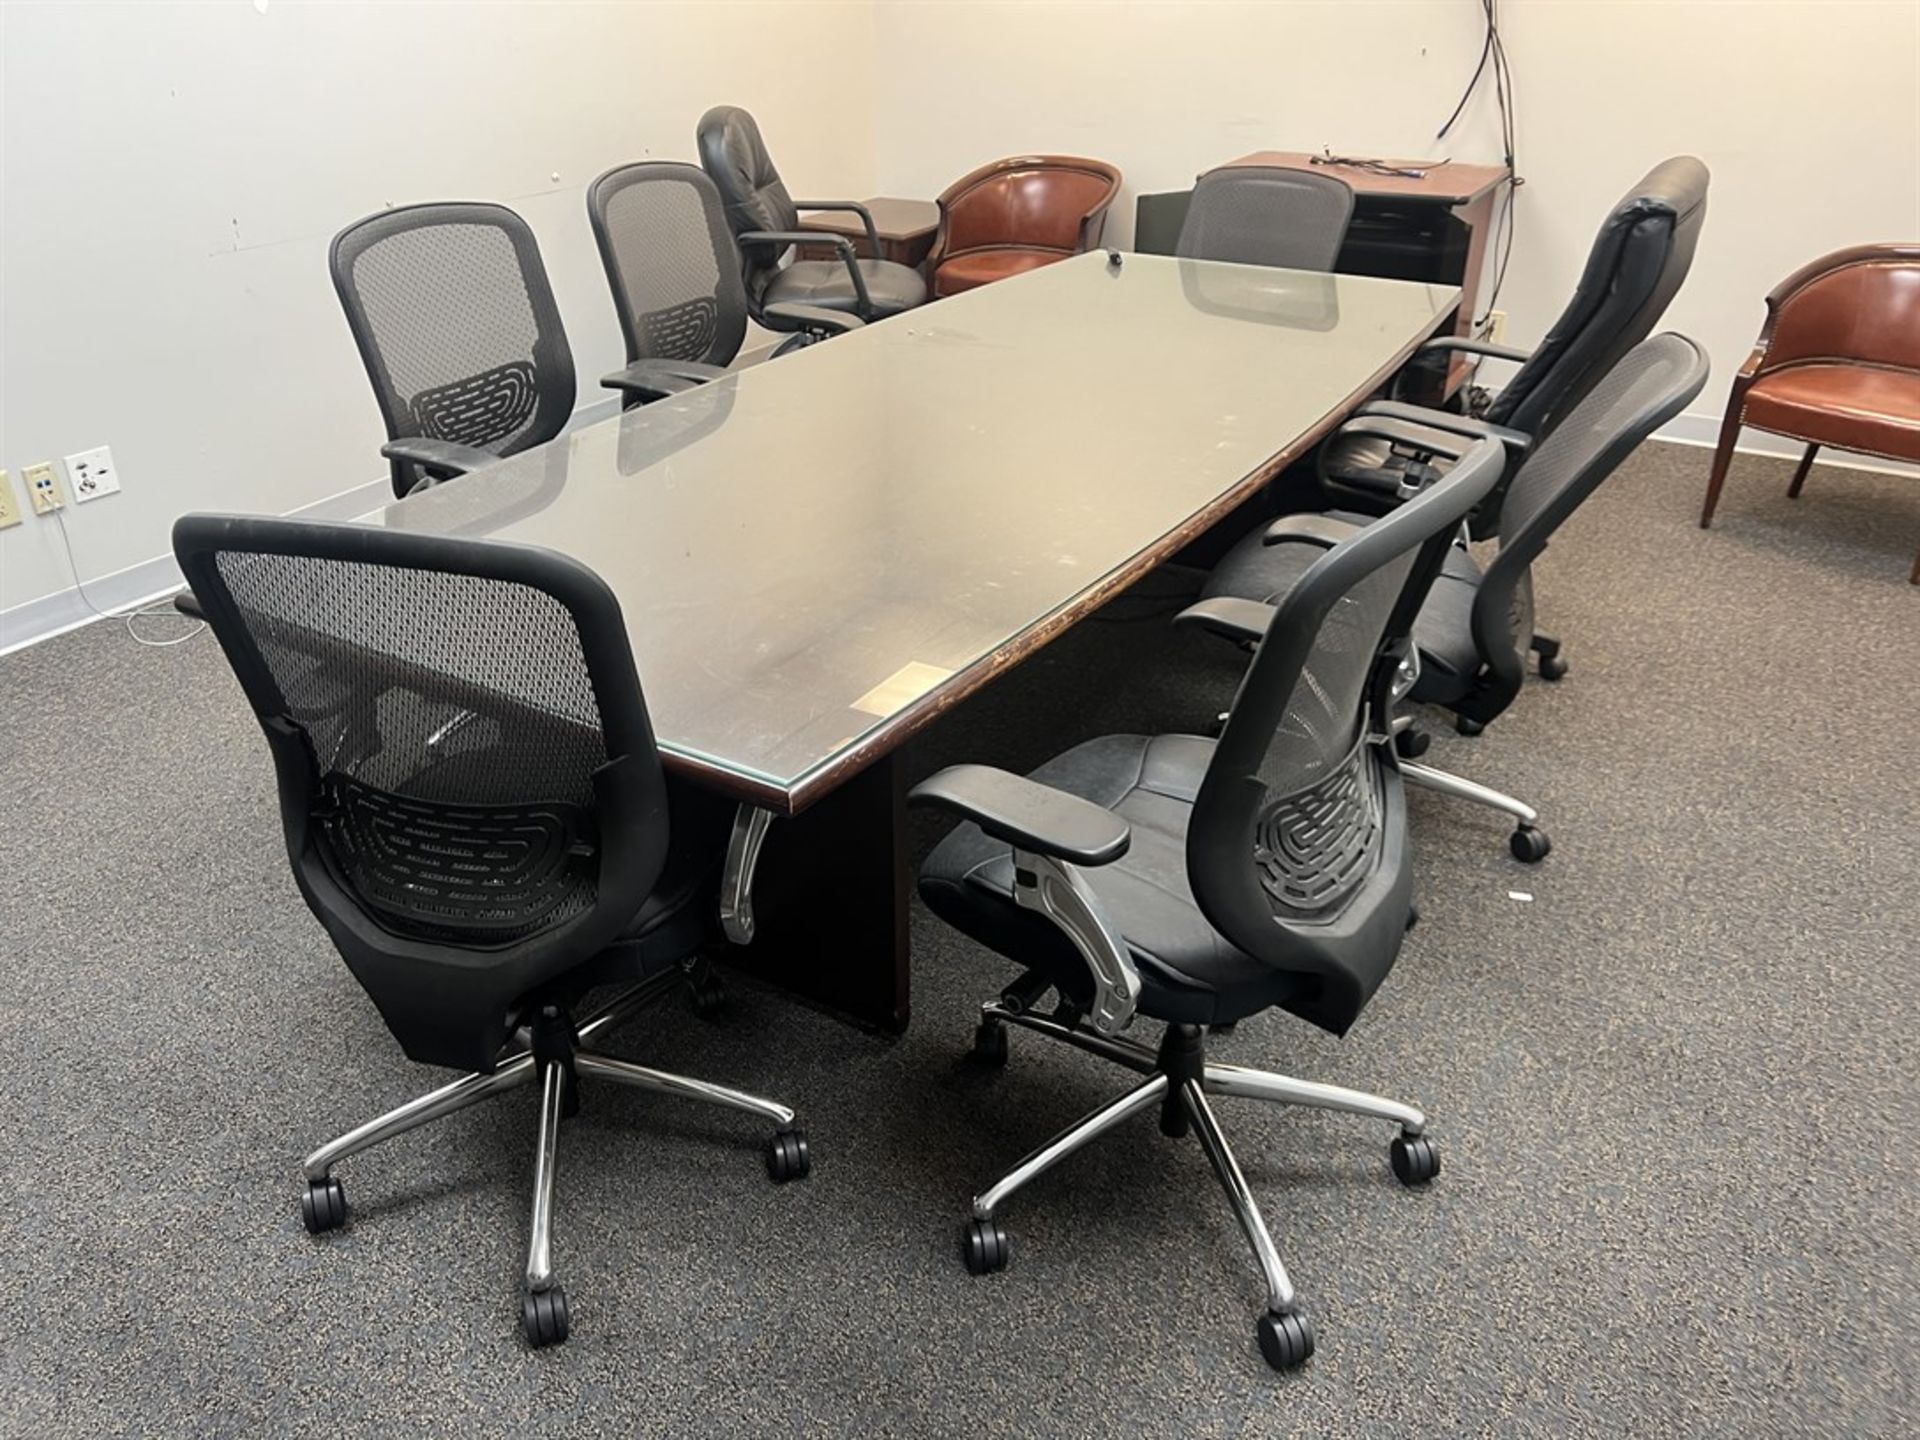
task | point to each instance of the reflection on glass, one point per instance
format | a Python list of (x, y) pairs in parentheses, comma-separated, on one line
[(807, 547), (1294, 299)]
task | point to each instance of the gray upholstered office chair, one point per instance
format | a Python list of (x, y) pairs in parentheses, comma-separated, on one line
[(475, 811), (766, 225), (1637, 264), (675, 276), (1196, 882), (1267, 215), (456, 324), (1476, 627)]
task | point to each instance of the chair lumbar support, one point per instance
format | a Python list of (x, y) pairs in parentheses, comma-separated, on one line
[(556, 1056), (1177, 1079)]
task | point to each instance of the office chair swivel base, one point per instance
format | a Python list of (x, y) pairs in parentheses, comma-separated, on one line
[(1179, 1078), (554, 1053), (1528, 844)]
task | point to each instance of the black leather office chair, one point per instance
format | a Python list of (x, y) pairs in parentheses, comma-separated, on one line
[(475, 811), (766, 224), (1476, 626), (1197, 882), (1637, 264), (451, 310), (1267, 215), (676, 282)]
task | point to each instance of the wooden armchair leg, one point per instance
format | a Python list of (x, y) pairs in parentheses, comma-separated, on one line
[(1722, 457), (1800, 475)]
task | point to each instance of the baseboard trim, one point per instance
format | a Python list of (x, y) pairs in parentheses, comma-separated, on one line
[(1704, 430), (35, 620)]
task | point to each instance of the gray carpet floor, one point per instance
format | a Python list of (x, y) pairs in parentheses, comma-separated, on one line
[(1673, 1089)]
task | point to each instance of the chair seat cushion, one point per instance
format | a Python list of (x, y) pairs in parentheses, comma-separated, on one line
[(1449, 661), (892, 288), (1189, 973), (683, 907), (983, 267), (1851, 407)]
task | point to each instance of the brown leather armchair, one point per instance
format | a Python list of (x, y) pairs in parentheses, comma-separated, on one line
[(1837, 363), (1017, 215)]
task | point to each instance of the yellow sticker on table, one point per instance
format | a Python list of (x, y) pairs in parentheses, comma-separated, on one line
[(901, 688)]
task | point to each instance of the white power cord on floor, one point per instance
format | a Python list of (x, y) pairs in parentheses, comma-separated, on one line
[(152, 607)]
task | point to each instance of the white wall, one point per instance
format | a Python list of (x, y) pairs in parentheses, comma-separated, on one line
[(1807, 112), (170, 175)]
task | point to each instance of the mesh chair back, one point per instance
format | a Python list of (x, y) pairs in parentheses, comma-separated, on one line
[(471, 795), (1297, 850), (451, 310), (1638, 262), (1655, 382), (736, 159), (1267, 215), (670, 260)]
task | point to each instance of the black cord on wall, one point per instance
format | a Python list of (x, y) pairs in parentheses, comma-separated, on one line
[(1493, 57)]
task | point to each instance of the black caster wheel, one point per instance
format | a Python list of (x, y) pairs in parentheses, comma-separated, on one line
[(787, 1157), (1411, 744), (706, 994), (1552, 667), (1286, 1340), (1468, 727), (1415, 1159), (1530, 845), (990, 1044), (983, 1246), (324, 1206), (543, 1317)]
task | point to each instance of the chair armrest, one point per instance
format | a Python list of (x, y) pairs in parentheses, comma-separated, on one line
[(1049, 830), (1230, 616), (1516, 441), (1477, 347), (657, 379), (815, 317), (1027, 814), (441, 458), (866, 217), (1409, 435), (818, 237), (1321, 530)]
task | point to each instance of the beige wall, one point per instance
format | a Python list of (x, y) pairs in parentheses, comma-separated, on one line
[(1807, 111), (163, 240)]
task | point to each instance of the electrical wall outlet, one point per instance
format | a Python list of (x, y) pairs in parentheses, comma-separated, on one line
[(9, 507), (43, 488), (90, 474), (1496, 327)]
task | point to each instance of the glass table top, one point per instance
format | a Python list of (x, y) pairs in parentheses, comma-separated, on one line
[(816, 554)]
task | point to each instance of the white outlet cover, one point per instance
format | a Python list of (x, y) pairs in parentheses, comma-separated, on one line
[(91, 474)]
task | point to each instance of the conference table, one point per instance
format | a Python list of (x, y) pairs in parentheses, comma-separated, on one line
[(818, 556)]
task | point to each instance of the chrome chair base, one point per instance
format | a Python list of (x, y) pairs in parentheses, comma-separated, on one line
[(1529, 843), (554, 1053), (1178, 1079)]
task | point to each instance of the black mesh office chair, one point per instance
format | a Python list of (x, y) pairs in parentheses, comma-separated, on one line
[(766, 224), (1476, 626), (1637, 264), (451, 310), (475, 811), (1267, 215), (1197, 882), (675, 276)]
